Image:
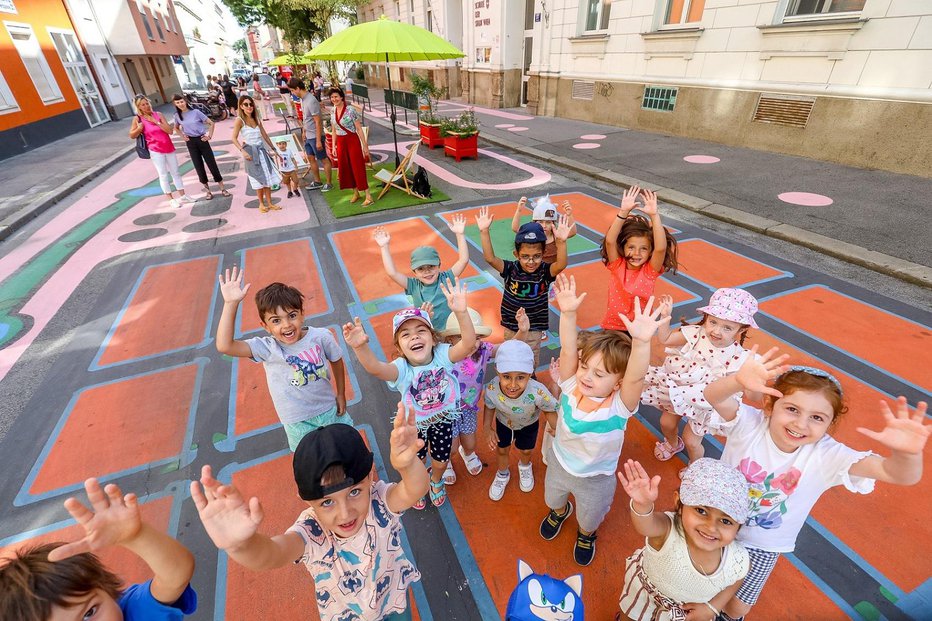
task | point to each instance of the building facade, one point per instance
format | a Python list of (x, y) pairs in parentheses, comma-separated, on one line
[(209, 43)]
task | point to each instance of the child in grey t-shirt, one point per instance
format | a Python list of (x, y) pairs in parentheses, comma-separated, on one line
[(295, 357)]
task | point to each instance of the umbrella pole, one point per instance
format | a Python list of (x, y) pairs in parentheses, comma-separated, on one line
[(392, 115)]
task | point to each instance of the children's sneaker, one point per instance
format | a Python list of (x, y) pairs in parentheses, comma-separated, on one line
[(314, 185), (297, 192), (584, 551), (497, 489), (326, 187), (552, 524), (525, 477), (473, 463), (290, 194)]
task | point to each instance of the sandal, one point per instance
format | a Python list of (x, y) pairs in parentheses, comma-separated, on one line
[(449, 475), (367, 202), (207, 194), (274, 207), (663, 451), (421, 504), (354, 199), (473, 463), (225, 192), (263, 208), (437, 493)]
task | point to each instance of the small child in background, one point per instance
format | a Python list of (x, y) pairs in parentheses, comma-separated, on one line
[(545, 214), (690, 565), (789, 460), (602, 381), (513, 404), (294, 356), (635, 251), (56, 581), (423, 375), (696, 356), (288, 166), (425, 263), (350, 537), (527, 280)]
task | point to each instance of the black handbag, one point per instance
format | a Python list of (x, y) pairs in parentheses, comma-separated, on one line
[(142, 149)]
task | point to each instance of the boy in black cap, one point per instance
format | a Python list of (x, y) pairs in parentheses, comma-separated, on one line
[(527, 280), (350, 537)]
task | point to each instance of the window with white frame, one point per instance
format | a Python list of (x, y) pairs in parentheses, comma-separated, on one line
[(818, 8), (430, 20), (26, 43), (678, 12), (596, 14), (7, 101)]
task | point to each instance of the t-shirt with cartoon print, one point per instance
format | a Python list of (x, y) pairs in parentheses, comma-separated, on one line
[(785, 486), (523, 410), (430, 390), (624, 285), (364, 577), (298, 374), (470, 372), (527, 290)]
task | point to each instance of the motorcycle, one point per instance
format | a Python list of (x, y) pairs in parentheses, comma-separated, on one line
[(209, 103)]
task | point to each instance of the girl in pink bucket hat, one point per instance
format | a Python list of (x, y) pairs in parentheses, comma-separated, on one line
[(696, 356)]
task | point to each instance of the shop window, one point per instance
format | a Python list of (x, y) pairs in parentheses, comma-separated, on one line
[(26, 43)]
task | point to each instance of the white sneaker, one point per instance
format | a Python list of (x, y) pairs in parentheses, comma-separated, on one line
[(174, 204), (525, 477), (188, 199), (497, 489)]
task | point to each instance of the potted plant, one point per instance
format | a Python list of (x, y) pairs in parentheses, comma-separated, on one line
[(461, 135), (427, 94)]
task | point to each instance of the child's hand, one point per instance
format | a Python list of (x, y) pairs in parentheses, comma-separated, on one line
[(114, 520), (354, 334), (341, 405), (404, 441), (555, 370), (381, 236), (645, 322), (231, 286), (228, 519), (458, 224), (455, 293), (754, 373), (565, 292), (567, 208), (562, 230), (650, 202), (629, 199), (902, 432), (493, 435), (484, 219), (428, 308), (524, 324), (666, 305), (638, 484), (698, 611), (522, 202)]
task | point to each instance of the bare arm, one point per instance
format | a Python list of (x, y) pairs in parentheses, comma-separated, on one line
[(338, 368), (484, 222), (660, 236), (233, 292), (905, 435), (519, 211), (136, 128), (362, 137), (643, 491), (163, 123), (458, 226), (455, 293), (560, 234), (642, 330), (404, 446), (383, 239), (237, 126), (752, 376), (356, 337), (628, 202), (568, 303), (272, 150)]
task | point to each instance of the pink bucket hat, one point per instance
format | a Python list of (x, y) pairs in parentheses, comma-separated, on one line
[(732, 305), (410, 313)]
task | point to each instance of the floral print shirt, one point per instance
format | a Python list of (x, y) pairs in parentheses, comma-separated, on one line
[(470, 371)]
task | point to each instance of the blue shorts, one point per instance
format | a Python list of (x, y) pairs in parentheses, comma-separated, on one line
[(310, 147), (296, 431)]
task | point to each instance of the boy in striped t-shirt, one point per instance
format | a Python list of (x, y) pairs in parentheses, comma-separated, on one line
[(527, 280)]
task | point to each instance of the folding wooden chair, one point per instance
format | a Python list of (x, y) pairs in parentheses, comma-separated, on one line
[(399, 178)]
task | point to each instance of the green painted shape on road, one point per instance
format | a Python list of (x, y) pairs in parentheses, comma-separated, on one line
[(503, 239)]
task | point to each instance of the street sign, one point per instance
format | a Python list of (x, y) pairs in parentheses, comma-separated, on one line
[(212, 61)]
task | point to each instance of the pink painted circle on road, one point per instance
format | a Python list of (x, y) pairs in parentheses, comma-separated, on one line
[(806, 199), (586, 145), (592, 137), (504, 125), (518, 129), (702, 159)]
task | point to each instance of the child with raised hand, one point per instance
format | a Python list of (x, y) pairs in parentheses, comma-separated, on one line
[(697, 355), (690, 565), (294, 356), (513, 405), (423, 375), (789, 459), (55, 581), (545, 214), (602, 383), (425, 263), (636, 251), (349, 534), (527, 280)]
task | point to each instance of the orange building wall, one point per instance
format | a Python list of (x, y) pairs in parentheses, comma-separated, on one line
[(40, 14)]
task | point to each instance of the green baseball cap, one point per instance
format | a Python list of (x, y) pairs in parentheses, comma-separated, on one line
[(424, 255)]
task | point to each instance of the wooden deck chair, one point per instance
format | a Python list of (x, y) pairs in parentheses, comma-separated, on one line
[(399, 178)]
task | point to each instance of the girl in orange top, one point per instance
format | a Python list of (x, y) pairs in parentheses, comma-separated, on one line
[(636, 251)]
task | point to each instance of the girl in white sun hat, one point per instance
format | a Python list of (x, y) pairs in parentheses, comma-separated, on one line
[(696, 356)]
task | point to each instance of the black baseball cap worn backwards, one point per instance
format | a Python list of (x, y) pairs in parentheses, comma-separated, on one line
[(322, 448)]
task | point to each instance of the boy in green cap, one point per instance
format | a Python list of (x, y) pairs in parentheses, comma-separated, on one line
[(425, 263)]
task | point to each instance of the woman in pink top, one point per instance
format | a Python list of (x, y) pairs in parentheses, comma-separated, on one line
[(158, 138), (636, 251)]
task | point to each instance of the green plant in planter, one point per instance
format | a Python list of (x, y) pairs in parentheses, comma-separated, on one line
[(466, 124), (427, 94)]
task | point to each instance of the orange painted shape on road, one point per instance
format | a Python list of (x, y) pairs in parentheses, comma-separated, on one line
[(292, 263), (117, 426), (890, 342), (170, 310), (363, 260), (588, 211), (718, 267)]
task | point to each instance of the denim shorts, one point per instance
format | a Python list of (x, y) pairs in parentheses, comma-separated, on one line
[(310, 147)]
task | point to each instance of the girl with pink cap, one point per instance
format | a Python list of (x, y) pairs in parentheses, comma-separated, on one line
[(696, 356)]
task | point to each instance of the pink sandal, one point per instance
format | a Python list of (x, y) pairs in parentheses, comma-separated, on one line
[(664, 452)]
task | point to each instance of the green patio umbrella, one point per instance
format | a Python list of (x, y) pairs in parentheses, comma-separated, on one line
[(385, 40), (287, 59)]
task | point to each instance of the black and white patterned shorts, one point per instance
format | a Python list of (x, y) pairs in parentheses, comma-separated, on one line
[(762, 564)]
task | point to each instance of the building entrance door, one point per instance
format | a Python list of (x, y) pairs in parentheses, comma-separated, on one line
[(81, 79), (528, 48)]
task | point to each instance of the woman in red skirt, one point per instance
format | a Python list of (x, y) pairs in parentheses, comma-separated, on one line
[(351, 146)]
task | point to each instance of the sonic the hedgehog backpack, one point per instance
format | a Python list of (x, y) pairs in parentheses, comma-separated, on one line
[(539, 596)]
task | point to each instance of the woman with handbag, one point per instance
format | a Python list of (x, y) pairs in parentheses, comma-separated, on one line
[(261, 170), (351, 146), (157, 134), (197, 130)]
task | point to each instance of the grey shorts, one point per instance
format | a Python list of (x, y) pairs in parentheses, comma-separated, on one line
[(593, 495)]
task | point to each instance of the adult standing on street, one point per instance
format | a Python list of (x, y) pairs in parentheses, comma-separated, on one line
[(197, 130), (158, 132), (351, 146), (260, 95), (229, 94), (261, 170), (312, 134), (285, 94)]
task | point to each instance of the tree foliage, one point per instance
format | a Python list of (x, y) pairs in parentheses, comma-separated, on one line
[(303, 21), (240, 46)]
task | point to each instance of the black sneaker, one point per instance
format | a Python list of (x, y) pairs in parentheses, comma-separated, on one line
[(551, 525), (297, 192), (290, 194), (585, 548)]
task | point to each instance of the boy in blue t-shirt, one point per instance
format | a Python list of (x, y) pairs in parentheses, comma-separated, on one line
[(67, 581), (425, 263)]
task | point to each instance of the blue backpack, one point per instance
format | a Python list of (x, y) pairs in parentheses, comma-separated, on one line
[(539, 596)]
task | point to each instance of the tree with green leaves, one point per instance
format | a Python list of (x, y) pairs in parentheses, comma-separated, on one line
[(240, 46)]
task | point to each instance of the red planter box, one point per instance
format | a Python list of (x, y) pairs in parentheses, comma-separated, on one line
[(430, 136), (461, 146)]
